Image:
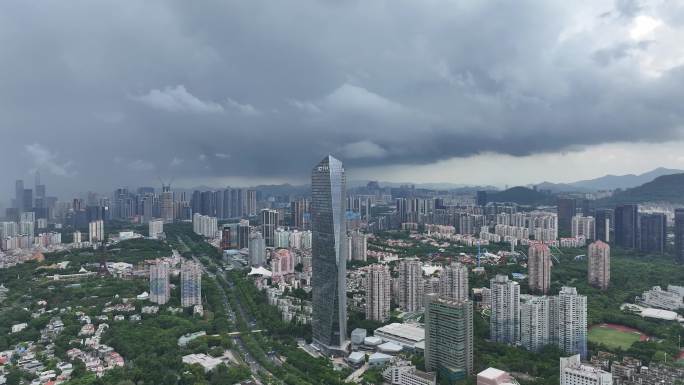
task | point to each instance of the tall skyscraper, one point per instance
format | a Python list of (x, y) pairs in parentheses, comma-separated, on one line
[(328, 280), (572, 322), (299, 209), (679, 235), (535, 322), (243, 234), (653, 232), (604, 225), (269, 224), (191, 283), (627, 226), (448, 338), (378, 282), (27, 200), (504, 324), (598, 270), (453, 282), (19, 195), (166, 204), (411, 287), (567, 207), (482, 198), (251, 205), (160, 290), (539, 267)]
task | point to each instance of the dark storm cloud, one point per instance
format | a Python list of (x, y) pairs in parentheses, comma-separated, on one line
[(120, 92)]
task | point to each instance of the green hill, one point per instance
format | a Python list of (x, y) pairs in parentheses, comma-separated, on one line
[(666, 188), (520, 195)]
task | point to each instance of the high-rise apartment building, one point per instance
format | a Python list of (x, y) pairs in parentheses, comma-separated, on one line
[(328, 280), (583, 226), (96, 231), (539, 267), (269, 224), (567, 208), (204, 225), (191, 283), (359, 245), (504, 324), (448, 338), (453, 282), (627, 226), (378, 282), (257, 249), (598, 270), (572, 321), (251, 203), (160, 290), (679, 235), (156, 229), (653, 233), (411, 287), (535, 322)]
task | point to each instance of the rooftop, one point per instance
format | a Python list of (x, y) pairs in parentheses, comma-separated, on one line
[(408, 331)]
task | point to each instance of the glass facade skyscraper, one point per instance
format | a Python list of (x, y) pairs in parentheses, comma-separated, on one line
[(328, 198)]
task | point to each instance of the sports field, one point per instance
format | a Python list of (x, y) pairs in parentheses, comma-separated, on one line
[(615, 336)]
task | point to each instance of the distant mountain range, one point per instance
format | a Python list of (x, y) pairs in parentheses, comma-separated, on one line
[(521, 195), (665, 188), (608, 182)]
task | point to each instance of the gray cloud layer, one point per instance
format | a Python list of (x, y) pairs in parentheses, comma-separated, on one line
[(124, 91)]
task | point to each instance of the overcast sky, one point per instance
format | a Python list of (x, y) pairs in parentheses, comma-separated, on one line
[(107, 93)]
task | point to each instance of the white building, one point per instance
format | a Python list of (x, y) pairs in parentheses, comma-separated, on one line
[(406, 335), (96, 231), (77, 237), (535, 322), (585, 226), (160, 290), (282, 238), (453, 282), (411, 285), (505, 304), (156, 228), (257, 249), (573, 372), (204, 225), (191, 283), (663, 299), (378, 282), (572, 321), (358, 246)]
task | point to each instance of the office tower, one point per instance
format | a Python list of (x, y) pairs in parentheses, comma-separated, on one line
[(598, 270), (225, 204), (448, 337), (156, 229), (573, 372), (505, 303), (539, 267), (251, 202), (243, 234), (196, 202), (359, 245), (378, 282), (481, 198), (653, 233), (453, 282), (160, 290), (166, 204), (627, 226), (257, 249), (567, 207), (535, 322), (19, 195), (77, 237), (96, 231), (604, 225), (27, 200), (411, 286), (328, 281), (583, 226), (269, 223), (402, 209), (572, 321), (229, 236), (191, 283), (679, 235), (299, 209)]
